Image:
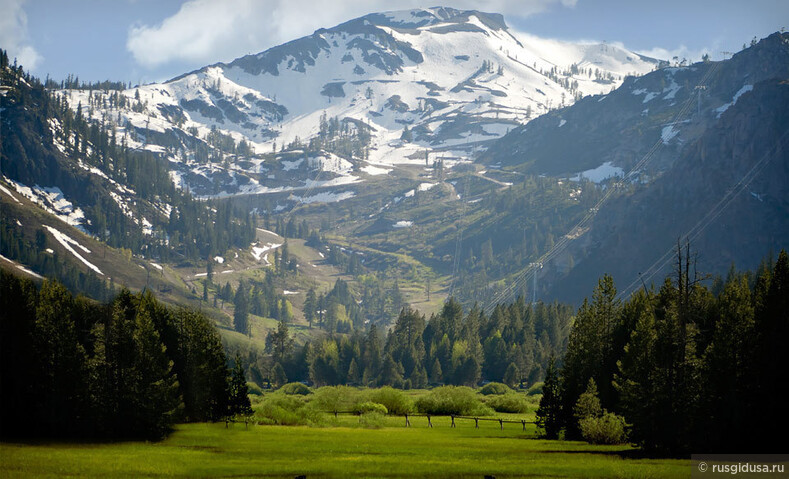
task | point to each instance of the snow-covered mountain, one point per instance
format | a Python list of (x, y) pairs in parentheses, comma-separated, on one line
[(455, 80)]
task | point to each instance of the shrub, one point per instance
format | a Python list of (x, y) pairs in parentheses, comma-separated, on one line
[(254, 389), (535, 389), (335, 398), (295, 388), (606, 429), (395, 400), (368, 406), (494, 388), (372, 420), (512, 402), (588, 403), (285, 410), (457, 400)]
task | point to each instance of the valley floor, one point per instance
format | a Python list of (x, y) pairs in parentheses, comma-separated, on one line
[(338, 451)]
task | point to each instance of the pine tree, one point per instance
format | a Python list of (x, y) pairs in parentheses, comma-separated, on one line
[(241, 309), (239, 393), (324, 367), (62, 359), (636, 380), (727, 369), (512, 376), (281, 342), (200, 362), (549, 413), (391, 373), (419, 378), (157, 401), (495, 349), (772, 334), (588, 403), (310, 304), (590, 351), (19, 366), (435, 376), (278, 376), (353, 378)]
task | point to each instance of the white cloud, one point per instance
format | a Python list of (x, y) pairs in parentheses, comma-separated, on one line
[(681, 52), (13, 34), (206, 31)]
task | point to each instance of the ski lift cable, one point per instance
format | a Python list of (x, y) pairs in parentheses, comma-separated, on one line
[(708, 219), (519, 279)]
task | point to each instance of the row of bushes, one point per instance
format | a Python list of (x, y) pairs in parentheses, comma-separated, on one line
[(296, 404)]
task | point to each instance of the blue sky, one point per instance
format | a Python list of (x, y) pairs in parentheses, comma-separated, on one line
[(151, 40)]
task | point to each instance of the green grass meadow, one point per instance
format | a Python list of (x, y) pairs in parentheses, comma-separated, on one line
[(342, 449)]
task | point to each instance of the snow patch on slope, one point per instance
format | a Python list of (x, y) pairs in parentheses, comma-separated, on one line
[(740, 92), (22, 268), (668, 133), (601, 173), (375, 170), (325, 197), (258, 251), (52, 200), (67, 242)]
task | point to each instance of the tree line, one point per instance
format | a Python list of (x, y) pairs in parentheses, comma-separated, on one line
[(129, 368), (512, 345), (689, 367)]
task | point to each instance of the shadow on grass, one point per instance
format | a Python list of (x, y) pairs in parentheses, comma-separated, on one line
[(624, 454)]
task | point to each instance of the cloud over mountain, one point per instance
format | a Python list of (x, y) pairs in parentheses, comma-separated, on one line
[(206, 31), (14, 35)]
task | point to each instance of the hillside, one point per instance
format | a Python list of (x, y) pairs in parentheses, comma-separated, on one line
[(77, 206), (695, 151)]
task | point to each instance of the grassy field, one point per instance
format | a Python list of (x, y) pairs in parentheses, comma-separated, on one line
[(341, 450)]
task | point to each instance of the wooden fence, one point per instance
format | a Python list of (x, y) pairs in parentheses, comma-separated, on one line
[(453, 417), (408, 417)]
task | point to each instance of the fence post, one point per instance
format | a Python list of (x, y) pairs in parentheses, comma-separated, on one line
[(429, 423), (501, 424), (476, 423), (453, 420)]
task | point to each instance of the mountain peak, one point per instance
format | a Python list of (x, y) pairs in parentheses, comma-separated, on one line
[(434, 16)]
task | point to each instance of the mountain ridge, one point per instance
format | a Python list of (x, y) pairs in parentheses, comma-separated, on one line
[(457, 79)]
